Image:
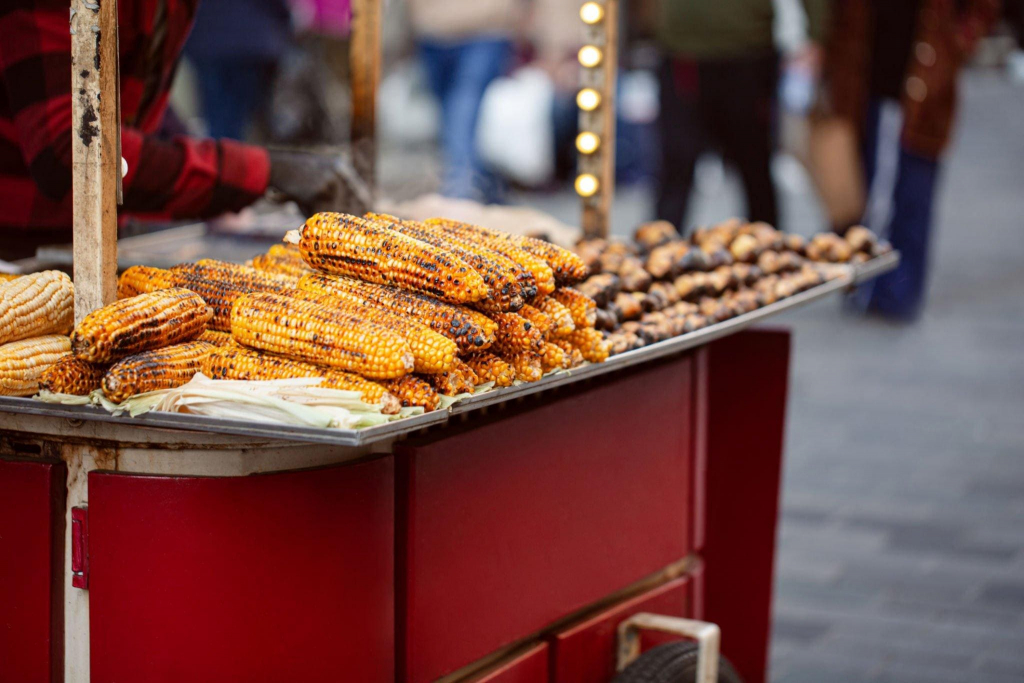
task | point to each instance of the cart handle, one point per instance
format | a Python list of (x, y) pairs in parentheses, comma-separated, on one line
[(707, 635)]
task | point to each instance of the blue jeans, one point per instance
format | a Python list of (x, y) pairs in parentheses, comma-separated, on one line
[(900, 294), (459, 73)]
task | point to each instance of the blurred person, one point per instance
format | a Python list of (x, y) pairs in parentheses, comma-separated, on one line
[(235, 46), (891, 68), (718, 84), (464, 45), (177, 178)]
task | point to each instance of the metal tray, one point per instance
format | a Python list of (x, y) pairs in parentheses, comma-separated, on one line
[(403, 427)]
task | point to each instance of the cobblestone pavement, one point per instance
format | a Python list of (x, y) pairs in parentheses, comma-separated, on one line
[(901, 553)]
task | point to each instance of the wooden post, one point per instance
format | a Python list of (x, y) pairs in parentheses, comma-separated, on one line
[(604, 35), (95, 147), (364, 63)]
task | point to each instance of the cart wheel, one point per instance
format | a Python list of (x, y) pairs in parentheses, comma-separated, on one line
[(672, 663)]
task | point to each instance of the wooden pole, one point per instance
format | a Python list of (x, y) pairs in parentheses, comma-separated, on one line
[(364, 63), (95, 149), (597, 209)]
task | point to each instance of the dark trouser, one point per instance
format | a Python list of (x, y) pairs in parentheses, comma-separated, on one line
[(233, 91), (727, 104), (900, 293), (459, 74)]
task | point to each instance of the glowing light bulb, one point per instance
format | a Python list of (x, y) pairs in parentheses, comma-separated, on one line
[(591, 13), (590, 56), (588, 99), (587, 142), (587, 185)]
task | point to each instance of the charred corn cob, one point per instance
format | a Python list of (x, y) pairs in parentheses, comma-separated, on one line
[(283, 259), (414, 391), (314, 331), (246, 364), (140, 323), (515, 334), (370, 251), (36, 305), (541, 321), (591, 344), (527, 365), (220, 283), (552, 357), (540, 273), (561, 317), (582, 307), (23, 362), (500, 274), (164, 368), (469, 329), (141, 279), (70, 375), (458, 380), (490, 368), (216, 338), (431, 351)]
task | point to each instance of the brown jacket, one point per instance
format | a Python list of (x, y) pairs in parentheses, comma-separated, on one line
[(947, 32)]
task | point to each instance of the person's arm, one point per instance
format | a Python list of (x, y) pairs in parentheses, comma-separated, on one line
[(974, 23), (181, 178)]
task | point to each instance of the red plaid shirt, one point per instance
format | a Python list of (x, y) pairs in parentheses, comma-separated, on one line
[(179, 178)]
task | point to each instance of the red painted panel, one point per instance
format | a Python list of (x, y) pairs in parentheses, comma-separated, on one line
[(510, 524), (31, 571), (747, 387), (586, 652), (529, 667), (276, 577)]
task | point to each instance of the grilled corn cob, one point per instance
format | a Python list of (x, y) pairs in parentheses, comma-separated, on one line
[(527, 365), (581, 306), (561, 317), (490, 368), (500, 274), (431, 351), (591, 344), (220, 283), (141, 279), (314, 331), (515, 334), (552, 357), (541, 321), (36, 305), (246, 364), (164, 368), (414, 391), (543, 278), (140, 323), (369, 250), (217, 338), (70, 375), (283, 259), (459, 380), (469, 329), (23, 362)]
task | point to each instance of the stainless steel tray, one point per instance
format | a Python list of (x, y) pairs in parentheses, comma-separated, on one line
[(403, 427)]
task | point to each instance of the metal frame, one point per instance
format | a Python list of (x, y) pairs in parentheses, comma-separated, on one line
[(707, 635), (406, 426)]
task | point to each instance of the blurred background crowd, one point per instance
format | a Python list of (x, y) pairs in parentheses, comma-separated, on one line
[(856, 98)]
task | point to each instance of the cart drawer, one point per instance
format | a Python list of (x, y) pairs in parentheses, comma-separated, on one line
[(510, 524), (31, 562), (275, 577), (528, 667), (585, 652)]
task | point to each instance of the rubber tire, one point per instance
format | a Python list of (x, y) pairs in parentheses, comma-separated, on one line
[(672, 663)]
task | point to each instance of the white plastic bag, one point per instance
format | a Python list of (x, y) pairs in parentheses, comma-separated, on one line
[(515, 132)]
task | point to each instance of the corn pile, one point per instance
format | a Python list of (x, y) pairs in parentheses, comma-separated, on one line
[(36, 315), (661, 285)]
